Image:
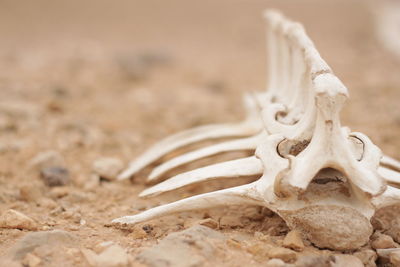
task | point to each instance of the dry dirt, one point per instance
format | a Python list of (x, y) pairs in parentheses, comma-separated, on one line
[(96, 79)]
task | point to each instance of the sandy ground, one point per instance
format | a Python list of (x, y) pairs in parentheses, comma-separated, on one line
[(90, 80)]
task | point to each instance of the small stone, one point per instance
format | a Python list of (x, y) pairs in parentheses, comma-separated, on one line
[(234, 244), (311, 260), (209, 222), (138, 233), (47, 159), (395, 258), (259, 250), (16, 220), (381, 241), (342, 260), (100, 247), (191, 247), (367, 256), (107, 168), (293, 240), (275, 263), (47, 203), (55, 176), (31, 260), (30, 192), (230, 222), (113, 256), (33, 240), (59, 192), (287, 255)]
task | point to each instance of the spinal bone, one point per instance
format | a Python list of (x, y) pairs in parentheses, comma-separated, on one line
[(317, 175)]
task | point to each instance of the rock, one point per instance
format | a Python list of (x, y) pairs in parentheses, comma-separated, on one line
[(342, 260), (382, 241), (275, 263), (395, 258), (138, 233), (209, 222), (230, 222), (113, 256), (31, 260), (388, 221), (16, 220), (30, 192), (234, 244), (107, 168), (367, 256), (191, 247), (59, 192), (47, 159), (100, 247), (293, 240), (55, 176), (334, 227), (314, 260), (287, 255), (384, 253), (259, 250), (33, 240)]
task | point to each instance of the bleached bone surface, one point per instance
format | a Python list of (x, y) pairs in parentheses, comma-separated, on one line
[(320, 177)]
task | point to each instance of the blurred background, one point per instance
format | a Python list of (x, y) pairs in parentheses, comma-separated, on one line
[(81, 80), (90, 77)]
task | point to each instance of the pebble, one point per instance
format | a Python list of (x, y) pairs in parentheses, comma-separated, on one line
[(31, 260), (381, 241), (275, 263), (367, 256), (191, 247), (287, 255), (138, 233), (46, 159), (209, 222), (107, 168), (293, 240), (113, 256), (33, 240), (342, 260), (395, 258), (55, 176), (59, 192), (259, 250), (30, 192), (16, 220)]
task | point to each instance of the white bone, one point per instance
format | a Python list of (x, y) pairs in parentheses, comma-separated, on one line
[(390, 162), (248, 127), (249, 143), (309, 163), (235, 168), (389, 175), (234, 196)]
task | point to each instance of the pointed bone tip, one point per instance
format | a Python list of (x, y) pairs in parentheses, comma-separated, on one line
[(147, 193), (122, 221), (154, 174), (128, 172)]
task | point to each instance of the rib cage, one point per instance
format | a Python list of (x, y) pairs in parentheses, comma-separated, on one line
[(295, 130)]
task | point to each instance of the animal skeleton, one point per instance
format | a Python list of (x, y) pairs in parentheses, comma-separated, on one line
[(313, 170)]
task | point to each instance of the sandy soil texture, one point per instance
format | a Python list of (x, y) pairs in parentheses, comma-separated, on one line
[(80, 81)]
